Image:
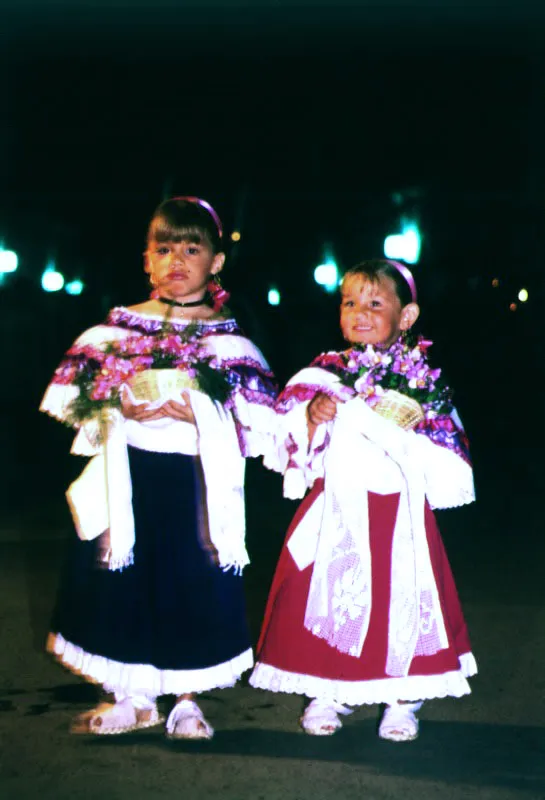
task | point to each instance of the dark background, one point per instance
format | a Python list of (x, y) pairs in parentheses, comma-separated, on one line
[(305, 125)]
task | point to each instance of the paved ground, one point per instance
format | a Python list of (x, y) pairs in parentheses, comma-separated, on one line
[(490, 745)]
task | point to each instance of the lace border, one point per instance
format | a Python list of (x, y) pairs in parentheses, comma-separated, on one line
[(356, 693), (145, 679)]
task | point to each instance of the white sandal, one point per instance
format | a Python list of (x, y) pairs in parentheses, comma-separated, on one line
[(186, 721), (111, 719), (321, 717), (399, 722)]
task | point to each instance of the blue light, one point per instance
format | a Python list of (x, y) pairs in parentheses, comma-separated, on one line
[(74, 287), (273, 297)]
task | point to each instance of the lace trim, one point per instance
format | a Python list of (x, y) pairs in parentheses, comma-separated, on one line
[(146, 679), (356, 693), (300, 393), (464, 498)]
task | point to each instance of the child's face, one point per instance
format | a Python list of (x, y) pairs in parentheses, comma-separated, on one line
[(182, 269), (371, 313)]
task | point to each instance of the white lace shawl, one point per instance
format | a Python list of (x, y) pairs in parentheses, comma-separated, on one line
[(357, 453)]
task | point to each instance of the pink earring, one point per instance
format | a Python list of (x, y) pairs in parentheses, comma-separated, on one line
[(219, 295)]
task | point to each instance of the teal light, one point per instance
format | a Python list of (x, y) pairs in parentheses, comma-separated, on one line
[(9, 261), (273, 297), (405, 245), (74, 287), (327, 275), (52, 280)]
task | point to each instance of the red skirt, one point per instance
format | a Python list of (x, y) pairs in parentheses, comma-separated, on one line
[(286, 646)]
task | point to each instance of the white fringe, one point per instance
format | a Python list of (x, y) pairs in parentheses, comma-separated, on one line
[(146, 679), (357, 693), (57, 398)]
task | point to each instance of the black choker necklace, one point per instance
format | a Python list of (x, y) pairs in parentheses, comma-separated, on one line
[(169, 302)]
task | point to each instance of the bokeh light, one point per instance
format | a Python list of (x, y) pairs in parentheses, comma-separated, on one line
[(52, 280), (75, 287), (9, 260), (273, 297), (327, 275), (405, 245)]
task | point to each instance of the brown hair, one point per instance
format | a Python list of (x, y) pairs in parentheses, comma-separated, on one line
[(377, 268), (178, 219)]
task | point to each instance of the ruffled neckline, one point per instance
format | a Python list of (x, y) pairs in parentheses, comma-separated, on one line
[(122, 317)]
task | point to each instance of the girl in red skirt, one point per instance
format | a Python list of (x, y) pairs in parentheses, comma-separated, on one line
[(363, 607)]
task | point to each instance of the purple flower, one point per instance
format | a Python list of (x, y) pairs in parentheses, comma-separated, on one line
[(141, 363)]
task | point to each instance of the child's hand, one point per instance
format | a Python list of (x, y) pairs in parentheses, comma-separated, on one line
[(141, 412), (179, 411), (322, 408)]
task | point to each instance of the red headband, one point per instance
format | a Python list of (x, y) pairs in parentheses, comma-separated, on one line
[(407, 274), (207, 206)]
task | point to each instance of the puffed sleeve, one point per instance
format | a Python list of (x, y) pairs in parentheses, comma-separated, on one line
[(254, 391)]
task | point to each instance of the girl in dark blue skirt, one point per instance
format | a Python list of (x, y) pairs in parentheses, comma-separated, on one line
[(152, 600)]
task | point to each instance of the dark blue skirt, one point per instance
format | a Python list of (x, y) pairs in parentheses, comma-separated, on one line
[(174, 608)]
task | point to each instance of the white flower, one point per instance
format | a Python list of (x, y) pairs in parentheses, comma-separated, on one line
[(349, 596), (361, 384)]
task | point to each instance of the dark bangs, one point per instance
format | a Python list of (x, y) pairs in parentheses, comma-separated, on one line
[(161, 231), (180, 220)]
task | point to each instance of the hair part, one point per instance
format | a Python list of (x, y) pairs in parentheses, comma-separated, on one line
[(177, 220), (377, 268)]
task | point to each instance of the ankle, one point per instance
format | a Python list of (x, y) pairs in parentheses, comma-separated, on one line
[(413, 705), (139, 702)]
